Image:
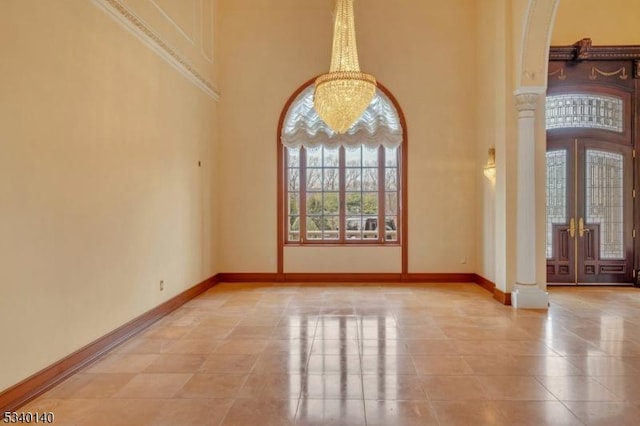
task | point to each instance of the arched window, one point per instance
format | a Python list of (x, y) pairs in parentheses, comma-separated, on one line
[(342, 189)]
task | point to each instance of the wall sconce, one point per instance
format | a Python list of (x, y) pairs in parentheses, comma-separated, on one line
[(489, 169)]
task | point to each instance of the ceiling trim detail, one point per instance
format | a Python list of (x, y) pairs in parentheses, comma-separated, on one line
[(143, 32)]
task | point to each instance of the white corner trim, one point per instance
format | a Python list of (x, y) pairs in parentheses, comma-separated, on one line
[(141, 30)]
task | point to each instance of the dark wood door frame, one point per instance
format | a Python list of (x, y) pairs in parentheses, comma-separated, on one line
[(611, 67)]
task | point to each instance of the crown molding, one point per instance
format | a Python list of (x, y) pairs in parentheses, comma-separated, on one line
[(136, 26)]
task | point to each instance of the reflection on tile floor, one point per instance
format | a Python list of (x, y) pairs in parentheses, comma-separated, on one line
[(436, 354)]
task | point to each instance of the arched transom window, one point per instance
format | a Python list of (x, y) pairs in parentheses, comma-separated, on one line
[(342, 189)]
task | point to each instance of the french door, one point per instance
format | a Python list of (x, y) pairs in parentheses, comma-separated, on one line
[(589, 211)]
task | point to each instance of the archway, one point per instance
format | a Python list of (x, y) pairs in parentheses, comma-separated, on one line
[(531, 84)]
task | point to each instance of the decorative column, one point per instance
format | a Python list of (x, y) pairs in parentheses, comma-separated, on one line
[(527, 294)]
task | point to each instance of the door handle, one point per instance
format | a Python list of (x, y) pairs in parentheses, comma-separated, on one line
[(572, 228), (581, 228)]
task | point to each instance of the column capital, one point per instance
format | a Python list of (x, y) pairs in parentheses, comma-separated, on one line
[(526, 101)]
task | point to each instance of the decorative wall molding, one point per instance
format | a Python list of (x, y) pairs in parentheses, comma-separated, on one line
[(178, 27), (207, 14), (134, 24)]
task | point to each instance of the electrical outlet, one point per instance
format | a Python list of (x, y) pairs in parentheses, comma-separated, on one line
[(161, 285), (463, 260)]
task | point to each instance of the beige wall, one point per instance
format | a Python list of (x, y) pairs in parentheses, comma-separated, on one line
[(415, 51), (605, 22), (101, 193), (488, 64)]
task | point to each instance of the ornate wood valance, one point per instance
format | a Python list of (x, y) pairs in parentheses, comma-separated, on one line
[(583, 50)]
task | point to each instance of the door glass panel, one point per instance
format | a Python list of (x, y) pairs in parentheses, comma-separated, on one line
[(581, 110), (556, 193), (604, 200)]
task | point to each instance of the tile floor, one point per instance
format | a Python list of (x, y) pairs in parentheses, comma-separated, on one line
[(436, 354)]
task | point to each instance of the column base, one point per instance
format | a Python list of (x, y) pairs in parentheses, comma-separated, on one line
[(530, 297)]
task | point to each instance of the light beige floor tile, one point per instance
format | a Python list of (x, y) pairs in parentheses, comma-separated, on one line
[(453, 388), (276, 386), (603, 366), (325, 363), (263, 412), (578, 388), (228, 363), (605, 413), (626, 387), (466, 413), (122, 363), (400, 413), (176, 363), (391, 354), (193, 346), (192, 412), (241, 346), (102, 385), (332, 386), (514, 388), (393, 387), (384, 364), (212, 386), (279, 363), (441, 365), (433, 347), (331, 412), (537, 413), (153, 385)]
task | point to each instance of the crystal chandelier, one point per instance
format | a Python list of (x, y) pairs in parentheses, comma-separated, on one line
[(342, 95)]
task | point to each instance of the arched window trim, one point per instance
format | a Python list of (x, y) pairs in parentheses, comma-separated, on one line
[(402, 189)]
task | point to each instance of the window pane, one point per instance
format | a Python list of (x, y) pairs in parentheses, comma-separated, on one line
[(314, 157), (370, 227), (354, 202), (353, 227), (331, 203), (314, 203), (330, 228), (370, 157), (331, 179), (314, 226), (591, 111), (391, 203), (353, 179), (293, 157), (294, 203), (391, 179), (370, 179), (314, 179), (391, 228), (556, 194), (370, 203), (294, 228), (391, 157), (294, 223), (331, 157), (294, 179), (353, 157), (604, 200)]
